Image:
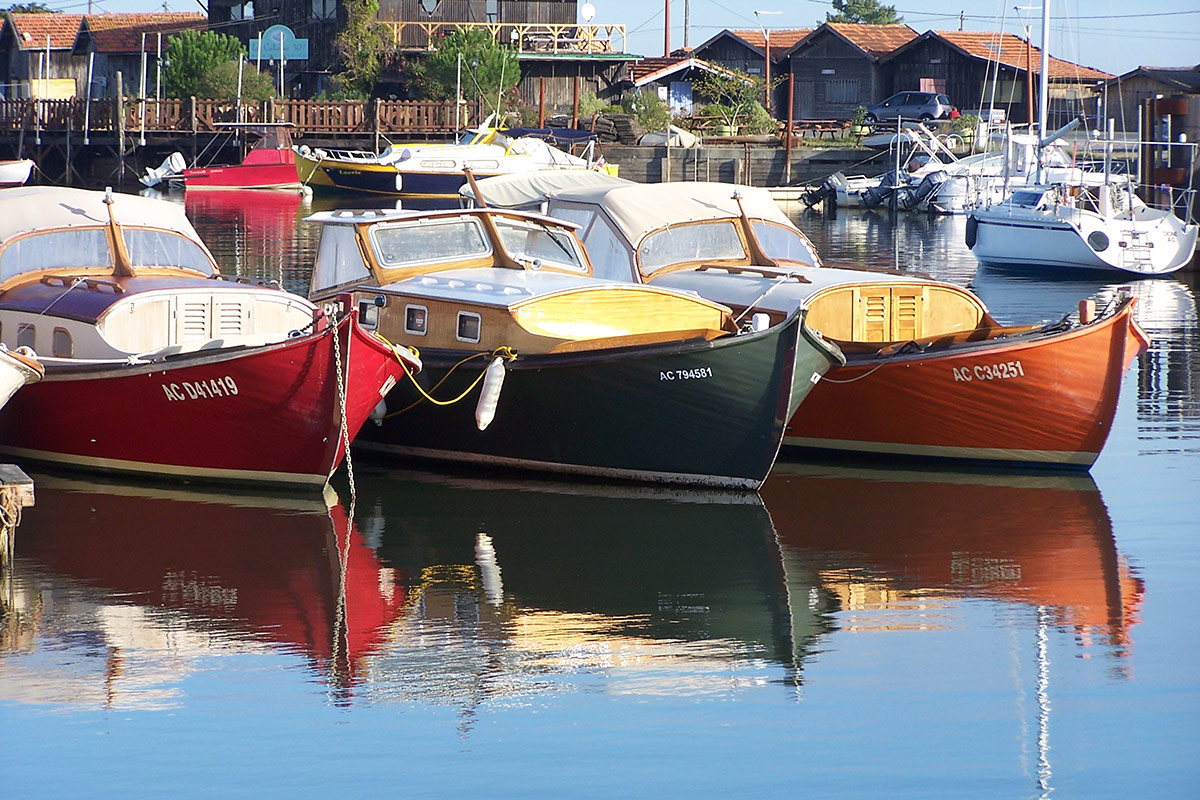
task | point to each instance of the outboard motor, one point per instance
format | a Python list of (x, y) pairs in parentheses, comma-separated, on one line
[(173, 164), (929, 185), (877, 194), (827, 189)]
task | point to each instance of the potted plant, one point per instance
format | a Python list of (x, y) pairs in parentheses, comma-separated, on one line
[(857, 127)]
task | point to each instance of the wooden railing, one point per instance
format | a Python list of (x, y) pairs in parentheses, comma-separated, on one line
[(525, 37), (192, 115)]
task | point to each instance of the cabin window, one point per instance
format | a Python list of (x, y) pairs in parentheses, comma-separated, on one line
[(57, 249), (699, 243), (61, 345), (148, 248), (468, 327), (339, 260), (416, 321), (529, 241), (783, 244), (242, 11), (324, 9), (430, 241), (27, 336)]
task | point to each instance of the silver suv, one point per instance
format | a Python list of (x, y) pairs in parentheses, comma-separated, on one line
[(910, 105)]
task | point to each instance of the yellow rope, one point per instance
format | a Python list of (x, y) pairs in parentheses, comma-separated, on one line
[(504, 351)]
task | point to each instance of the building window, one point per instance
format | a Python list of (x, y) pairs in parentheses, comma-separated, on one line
[(324, 9), (242, 12), (843, 91)]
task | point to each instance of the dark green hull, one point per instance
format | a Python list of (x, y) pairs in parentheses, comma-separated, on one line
[(699, 412)]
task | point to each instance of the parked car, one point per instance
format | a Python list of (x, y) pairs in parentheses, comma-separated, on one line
[(910, 105)]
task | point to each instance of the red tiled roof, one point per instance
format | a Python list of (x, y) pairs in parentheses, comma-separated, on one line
[(781, 40), (32, 29), (874, 40), (122, 33), (1010, 51)]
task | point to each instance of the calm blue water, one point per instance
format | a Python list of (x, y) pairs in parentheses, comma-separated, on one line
[(852, 631)]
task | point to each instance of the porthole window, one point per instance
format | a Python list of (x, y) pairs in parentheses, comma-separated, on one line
[(416, 320), (27, 336), (61, 344), (468, 327)]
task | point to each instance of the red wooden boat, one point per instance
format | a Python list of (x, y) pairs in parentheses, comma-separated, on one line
[(1033, 395), (269, 164), (155, 365)]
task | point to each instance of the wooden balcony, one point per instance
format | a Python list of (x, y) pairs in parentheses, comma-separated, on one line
[(537, 38)]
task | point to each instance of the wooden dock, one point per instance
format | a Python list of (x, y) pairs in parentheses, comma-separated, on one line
[(66, 138)]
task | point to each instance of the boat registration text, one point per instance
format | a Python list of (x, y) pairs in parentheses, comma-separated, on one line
[(989, 372), (685, 374), (194, 390)]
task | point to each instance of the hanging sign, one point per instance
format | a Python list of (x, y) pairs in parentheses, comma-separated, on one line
[(278, 41)]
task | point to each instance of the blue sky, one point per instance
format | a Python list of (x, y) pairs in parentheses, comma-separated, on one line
[(1112, 35)]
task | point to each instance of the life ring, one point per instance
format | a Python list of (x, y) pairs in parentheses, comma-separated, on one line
[(972, 232)]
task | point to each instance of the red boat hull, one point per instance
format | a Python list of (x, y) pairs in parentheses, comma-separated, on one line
[(1045, 400), (269, 414), (265, 168)]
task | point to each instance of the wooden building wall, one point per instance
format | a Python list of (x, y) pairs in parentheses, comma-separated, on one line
[(21, 67), (832, 78), (730, 53), (963, 78), (556, 81)]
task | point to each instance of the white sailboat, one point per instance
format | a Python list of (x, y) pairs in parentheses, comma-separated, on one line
[(1105, 227)]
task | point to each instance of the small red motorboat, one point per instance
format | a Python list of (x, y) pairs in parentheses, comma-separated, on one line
[(269, 164), (156, 365)]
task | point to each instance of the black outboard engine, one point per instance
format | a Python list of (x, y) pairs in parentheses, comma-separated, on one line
[(877, 194), (827, 189), (929, 185)]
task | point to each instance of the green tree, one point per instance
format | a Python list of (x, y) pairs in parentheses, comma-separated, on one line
[(31, 8), (734, 94), (362, 46), (190, 55), (870, 12), (489, 70), (221, 83), (651, 110)]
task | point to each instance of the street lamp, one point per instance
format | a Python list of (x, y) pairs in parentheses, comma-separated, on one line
[(766, 55)]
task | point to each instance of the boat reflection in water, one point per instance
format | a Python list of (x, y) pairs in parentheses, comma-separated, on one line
[(468, 591), (255, 233), (132, 586), (893, 546)]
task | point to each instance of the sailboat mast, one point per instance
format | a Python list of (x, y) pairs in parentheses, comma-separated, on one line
[(1044, 84)]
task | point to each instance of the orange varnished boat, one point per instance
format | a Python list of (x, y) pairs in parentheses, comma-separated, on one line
[(1028, 395), (1037, 539)]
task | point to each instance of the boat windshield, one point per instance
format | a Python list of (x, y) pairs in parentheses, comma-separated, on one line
[(705, 241), (428, 241), (537, 243), (149, 248), (1027, 198), (782, 243), (76, 249)]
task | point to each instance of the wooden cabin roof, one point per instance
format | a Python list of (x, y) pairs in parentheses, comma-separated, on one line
[(31, 30), (122, 33)]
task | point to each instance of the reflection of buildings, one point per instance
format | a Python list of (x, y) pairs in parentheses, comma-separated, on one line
[(136, 584), (254, 233), (897, 546)]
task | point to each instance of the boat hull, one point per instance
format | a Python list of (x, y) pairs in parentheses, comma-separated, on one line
[(1060, 239), (269, 414), (15, 173), (698, 412), (1045, 399), (17, 370)]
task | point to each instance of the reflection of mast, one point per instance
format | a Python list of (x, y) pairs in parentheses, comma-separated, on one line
[(1043, 701)]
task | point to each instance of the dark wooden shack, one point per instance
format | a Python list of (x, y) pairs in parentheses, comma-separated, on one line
[(38, 58), (836, 68)]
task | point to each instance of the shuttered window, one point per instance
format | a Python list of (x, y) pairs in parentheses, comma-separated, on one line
[(842, 90)]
